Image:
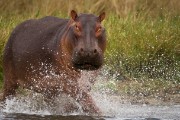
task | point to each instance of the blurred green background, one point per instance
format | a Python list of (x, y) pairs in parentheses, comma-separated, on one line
[(143, 35)]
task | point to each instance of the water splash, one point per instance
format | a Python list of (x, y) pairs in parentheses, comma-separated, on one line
[(35, 103), (103, 92), (112, 106), (27, 105)]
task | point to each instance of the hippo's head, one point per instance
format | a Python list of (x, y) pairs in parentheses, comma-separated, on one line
[(87, 41)]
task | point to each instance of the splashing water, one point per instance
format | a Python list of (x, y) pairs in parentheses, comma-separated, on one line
[(113, 106)]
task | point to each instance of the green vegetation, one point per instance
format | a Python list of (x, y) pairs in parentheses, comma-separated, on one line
[(143, 35), (144, 47)]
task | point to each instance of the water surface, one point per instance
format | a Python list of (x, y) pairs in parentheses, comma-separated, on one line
[(30, 109), (33, 107)]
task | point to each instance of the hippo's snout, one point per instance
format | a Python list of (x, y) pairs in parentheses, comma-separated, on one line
[(87, 59)]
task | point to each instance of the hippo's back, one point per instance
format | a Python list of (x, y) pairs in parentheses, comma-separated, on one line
[(32, 34), (31, 43)]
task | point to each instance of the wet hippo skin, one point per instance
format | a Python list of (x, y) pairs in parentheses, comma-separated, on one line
[(47, 56)]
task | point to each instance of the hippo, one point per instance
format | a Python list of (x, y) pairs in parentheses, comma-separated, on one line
[(47, 56)]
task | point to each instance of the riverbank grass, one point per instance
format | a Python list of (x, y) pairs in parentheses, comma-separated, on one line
[(137, 47)]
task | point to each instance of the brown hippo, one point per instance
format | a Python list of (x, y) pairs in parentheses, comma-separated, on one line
[(48, 55)]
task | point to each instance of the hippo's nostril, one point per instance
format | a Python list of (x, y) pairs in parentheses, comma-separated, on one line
[(81, 50), (95, 50)]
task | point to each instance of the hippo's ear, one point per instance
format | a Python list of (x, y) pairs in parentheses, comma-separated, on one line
[(73, 14), (102, 16)]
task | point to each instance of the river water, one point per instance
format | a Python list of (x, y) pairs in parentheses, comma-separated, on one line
[(31, 106)]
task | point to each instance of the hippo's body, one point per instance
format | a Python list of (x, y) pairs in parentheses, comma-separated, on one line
[(47, 55)]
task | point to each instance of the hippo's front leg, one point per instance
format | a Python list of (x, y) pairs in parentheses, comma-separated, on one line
[(88, 104), (82, 97)]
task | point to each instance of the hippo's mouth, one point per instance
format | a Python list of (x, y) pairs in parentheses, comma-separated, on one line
[(86, 66)]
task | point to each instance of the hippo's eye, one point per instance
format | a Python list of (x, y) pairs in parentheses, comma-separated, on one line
[(99, 29), (77, 28)]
